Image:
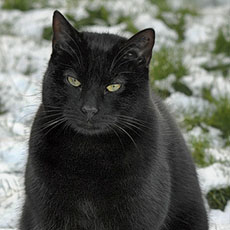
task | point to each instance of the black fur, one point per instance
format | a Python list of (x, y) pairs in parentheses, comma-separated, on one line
[(123, 167)]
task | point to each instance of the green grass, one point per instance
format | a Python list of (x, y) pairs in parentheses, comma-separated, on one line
[(179, 24), (169, 61), (98, 16), (181, 87), (224, 68), (193, 119), (218, 198), (70, 4), (199, 145), (29, 70), (221, 46), (6, 28), (219, 117), (179, 16), (222, 41), (128, 20), (47, 33), (163, 5), (23, 5), (2, 106)]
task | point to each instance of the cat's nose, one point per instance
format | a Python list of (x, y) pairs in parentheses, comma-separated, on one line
[(89, 111)]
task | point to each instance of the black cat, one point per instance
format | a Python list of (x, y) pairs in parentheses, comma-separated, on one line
[(104, 153)]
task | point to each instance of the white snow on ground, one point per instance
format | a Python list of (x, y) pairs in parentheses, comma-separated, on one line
[(22, 50)]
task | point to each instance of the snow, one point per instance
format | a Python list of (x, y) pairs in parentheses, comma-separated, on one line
[(221, 217), (181, 102), (203, 27), (23, 50), (214, 176), (164, 35)]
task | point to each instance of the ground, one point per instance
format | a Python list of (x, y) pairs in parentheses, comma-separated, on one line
[(190, 70)]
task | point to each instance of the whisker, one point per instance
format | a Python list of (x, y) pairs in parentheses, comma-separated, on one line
[(48, 124), (126, 72), (133, 120), (55, 125), (127, 135), (34, 113), (110, 126), (128, 124)]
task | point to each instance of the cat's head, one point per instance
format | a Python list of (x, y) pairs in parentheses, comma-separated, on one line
[(96, 82)]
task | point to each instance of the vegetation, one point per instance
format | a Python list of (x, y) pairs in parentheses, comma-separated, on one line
[(2, 106), (219, 118), (100, 16), (166, 12), (199, 146), (222, 41), (221, 48), (6, 28), (218, 198), (23, 5), (168, 61), (47, 33)]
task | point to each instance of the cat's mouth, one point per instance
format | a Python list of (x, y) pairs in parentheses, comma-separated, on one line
[(91, 127)]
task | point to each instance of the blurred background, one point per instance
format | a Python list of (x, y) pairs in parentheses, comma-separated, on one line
[(190, 70)]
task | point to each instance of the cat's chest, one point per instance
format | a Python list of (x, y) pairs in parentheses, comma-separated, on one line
[(82, 159)]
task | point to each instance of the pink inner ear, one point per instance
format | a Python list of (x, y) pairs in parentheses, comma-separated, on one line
[(148, 45), (62, 29), (56, 26), (150, 36)]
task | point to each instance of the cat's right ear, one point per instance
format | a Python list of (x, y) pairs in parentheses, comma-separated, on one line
[(142, 44), (62, 29)]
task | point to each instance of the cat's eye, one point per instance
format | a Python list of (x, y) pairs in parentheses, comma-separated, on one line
[(73, 81), (113, 87)]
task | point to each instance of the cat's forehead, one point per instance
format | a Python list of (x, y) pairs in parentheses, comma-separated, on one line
[(101, 50), (102, 42)]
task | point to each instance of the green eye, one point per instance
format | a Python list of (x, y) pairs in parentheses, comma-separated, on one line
[(113, 87), (74, 81)]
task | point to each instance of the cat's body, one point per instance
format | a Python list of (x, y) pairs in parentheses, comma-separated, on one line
[(131, 169)]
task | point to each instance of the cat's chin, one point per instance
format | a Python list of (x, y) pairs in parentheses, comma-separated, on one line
[(90, 129)]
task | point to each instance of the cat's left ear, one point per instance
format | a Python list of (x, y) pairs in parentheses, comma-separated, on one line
[(142, 44), (62, 29)]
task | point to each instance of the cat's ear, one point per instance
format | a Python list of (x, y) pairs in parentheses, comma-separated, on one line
[(142, 44), (62, 29)]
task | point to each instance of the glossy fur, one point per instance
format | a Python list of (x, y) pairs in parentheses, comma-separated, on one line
[(106, 161)]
